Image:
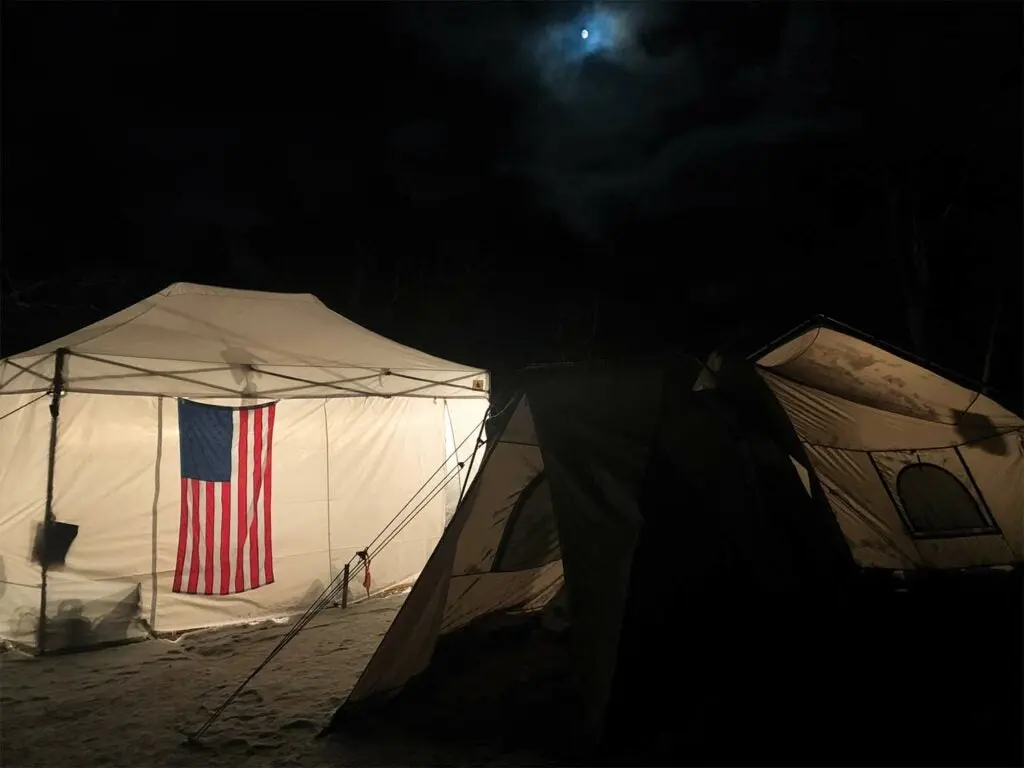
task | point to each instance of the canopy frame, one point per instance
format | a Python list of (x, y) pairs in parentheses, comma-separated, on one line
[(339, 384)]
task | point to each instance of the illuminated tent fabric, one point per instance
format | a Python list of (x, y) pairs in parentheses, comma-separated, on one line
[(633, 488), (921, 472), (361, 423)]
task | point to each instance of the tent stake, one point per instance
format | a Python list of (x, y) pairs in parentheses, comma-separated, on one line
[(344, 588), (48, 516)]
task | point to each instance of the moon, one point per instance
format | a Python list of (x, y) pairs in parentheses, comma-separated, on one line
[(562, 49)]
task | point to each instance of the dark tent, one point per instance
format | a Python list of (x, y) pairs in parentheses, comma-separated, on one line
[(647, 563)]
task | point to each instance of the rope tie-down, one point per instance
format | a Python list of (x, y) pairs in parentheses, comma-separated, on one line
[(361, 560), (364, 556)]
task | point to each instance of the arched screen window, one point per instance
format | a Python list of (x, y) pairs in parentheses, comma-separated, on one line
[(531, 534), (936, 503)]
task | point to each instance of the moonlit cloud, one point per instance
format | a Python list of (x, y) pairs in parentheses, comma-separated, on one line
[(608, 118)]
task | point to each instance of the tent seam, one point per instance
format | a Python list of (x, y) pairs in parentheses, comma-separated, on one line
[(845, 399)]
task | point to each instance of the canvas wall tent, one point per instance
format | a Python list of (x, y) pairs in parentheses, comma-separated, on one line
[(920, 471), (358, 425), (635, 489)]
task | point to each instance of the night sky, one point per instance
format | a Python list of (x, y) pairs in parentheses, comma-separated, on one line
[(477, 180)]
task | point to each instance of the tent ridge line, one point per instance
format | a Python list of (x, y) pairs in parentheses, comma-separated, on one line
[(798, 355), (821, 321), (239, 293)]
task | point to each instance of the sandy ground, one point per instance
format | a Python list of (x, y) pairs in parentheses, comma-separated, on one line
[(133, 705)]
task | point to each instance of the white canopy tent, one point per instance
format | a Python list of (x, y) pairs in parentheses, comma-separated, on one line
[(329, 432)]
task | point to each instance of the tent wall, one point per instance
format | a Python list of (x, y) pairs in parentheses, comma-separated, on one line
[(727, 509), (758, 419), (864, 414), (24, 449), (343, 469), (456, 586), (300, 525), (380, 454), (477, 585), (113, 477), (596, 431)]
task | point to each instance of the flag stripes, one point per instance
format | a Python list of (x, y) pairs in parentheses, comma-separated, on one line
[(225, 545)]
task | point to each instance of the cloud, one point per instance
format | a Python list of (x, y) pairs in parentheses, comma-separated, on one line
[(675, 174), (624, 132), (622, 126)]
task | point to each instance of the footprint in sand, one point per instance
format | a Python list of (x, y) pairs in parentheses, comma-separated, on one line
[(300, 724)]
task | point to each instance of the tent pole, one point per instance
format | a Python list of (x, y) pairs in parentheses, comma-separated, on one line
[(472, 459), (344, 588), (154, 535), (327, 472), (48, 518)]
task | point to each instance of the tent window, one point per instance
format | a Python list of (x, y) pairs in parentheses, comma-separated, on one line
[(936, 503), (531, 535)]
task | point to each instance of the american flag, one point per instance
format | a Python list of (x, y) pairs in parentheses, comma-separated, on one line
[(224, 538)]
